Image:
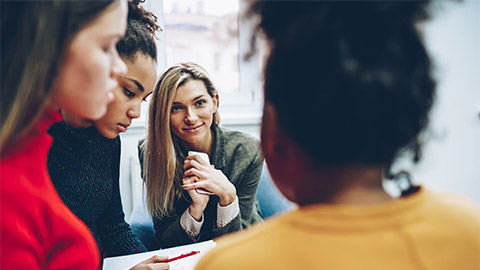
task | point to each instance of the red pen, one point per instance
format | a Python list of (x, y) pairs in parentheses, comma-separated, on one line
[(182, 256)]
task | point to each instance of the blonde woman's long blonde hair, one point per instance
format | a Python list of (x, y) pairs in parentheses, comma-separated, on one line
[(163, 170)]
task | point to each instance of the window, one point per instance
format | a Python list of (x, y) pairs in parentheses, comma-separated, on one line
[(212, 34)]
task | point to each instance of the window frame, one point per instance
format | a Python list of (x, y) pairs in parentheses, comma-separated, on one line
[(243, 107)]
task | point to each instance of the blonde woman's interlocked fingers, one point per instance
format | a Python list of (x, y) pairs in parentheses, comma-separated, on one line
[(209, 179)]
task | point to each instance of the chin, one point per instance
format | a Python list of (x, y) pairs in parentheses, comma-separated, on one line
[(109, 134), (98, 114), (192, 141), (113, 135)]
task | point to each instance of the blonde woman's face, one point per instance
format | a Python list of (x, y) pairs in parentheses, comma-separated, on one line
[(92, 66), (192, 114)]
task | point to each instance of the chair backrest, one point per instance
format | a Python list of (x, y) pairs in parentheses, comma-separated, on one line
[(269, 198), (142, 225)]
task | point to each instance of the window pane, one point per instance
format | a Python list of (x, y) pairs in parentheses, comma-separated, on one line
[(205, 32)]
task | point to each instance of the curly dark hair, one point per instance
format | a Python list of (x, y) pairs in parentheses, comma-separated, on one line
[(351, 81), (141, 31)]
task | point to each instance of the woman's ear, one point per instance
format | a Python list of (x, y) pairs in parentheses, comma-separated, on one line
[(277, 151), (270, 133), (215, 102)]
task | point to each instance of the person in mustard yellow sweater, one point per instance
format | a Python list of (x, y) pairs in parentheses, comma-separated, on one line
[(348, 88)]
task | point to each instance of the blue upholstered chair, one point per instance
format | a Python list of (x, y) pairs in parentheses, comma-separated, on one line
[(270, 200), (142, 225)]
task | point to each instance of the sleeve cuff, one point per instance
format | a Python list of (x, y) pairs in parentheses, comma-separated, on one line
[(225, 214), (190, 225)]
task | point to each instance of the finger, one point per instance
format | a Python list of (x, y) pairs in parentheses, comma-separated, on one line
[(203, 191), (190, 180), (196, 172), (186, 163), (193, 163), (188, 186), (156, 259), (203, 184), (198, 159), (193, 187)]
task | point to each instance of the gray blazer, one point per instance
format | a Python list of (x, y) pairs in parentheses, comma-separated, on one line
[(239, 157)]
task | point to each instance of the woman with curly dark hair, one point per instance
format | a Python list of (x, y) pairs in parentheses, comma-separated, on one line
[(348, 88), (84, 159)]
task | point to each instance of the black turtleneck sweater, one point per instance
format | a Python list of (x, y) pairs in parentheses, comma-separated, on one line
[(84, 168)]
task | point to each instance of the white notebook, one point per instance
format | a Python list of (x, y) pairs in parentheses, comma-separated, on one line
[(188, 263)]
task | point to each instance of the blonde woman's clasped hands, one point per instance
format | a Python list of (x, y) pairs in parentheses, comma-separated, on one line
[(200, 174)]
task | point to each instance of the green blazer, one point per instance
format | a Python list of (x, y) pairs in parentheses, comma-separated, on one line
[(239, 157)]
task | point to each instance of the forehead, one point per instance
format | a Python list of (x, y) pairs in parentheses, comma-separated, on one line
[(143, 70), (190, 89), (111, 22)]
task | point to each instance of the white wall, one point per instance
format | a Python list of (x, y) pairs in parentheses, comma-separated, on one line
[(452, 155)]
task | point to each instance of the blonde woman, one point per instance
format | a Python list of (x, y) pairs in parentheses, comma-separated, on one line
[(190, 199)]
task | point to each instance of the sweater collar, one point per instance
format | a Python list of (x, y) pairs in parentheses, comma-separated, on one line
[(354, 217), (75, 139), (83, 134), (50, 117), (37, 142), (218, 148)]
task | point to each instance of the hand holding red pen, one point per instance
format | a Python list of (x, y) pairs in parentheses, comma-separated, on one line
[(156, 262), (182, 256)]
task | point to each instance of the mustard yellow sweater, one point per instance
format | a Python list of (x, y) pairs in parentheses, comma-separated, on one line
[(423, 231)]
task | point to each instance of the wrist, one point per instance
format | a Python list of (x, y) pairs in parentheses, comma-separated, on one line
[(227, 198), (196, 212)]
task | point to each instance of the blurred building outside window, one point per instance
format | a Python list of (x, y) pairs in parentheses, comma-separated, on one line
[(213, 33)]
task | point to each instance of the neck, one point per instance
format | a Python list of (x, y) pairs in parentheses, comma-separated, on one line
[(204, 145), (75, 121), (361, 196), (354, 185)]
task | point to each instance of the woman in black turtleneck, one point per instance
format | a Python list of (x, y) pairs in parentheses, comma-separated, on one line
[(84, 159)]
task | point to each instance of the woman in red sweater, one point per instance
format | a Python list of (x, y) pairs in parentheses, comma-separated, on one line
[(54, 54)]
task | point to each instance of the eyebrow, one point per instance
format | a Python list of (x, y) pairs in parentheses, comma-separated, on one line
[(139, 85), (195, 98)]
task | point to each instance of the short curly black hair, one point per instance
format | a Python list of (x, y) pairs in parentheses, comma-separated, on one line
[(351, 81), (141, 31)]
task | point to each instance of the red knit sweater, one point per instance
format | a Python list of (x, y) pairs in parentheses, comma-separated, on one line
[(37, 231)]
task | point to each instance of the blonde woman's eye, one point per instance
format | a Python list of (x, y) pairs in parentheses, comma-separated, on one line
[(200, 102), (176, 108)]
